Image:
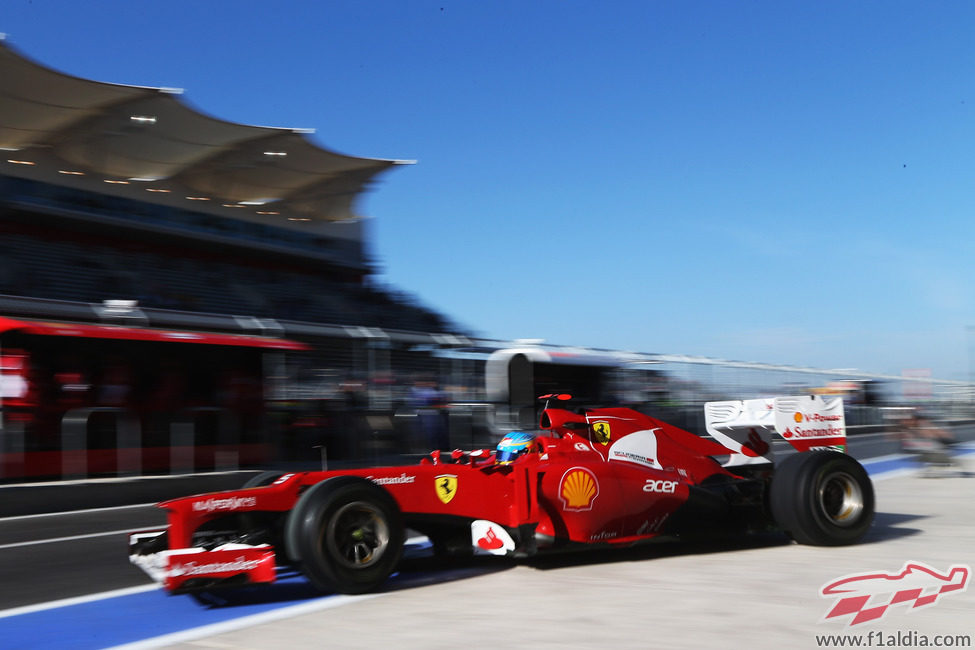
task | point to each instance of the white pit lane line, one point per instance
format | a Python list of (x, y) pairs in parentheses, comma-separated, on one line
[(333, 601), (68, 513), (326, 602), (77, 600), (71, 538)]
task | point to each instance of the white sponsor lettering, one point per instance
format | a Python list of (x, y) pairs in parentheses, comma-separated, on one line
[(392, 480), (636, 458), (639, 447), (663, 487), (652, 526), (194, 569), (228, 503), (606, 534)]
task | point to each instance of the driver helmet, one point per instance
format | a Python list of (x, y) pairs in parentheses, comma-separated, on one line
[(512, 446)]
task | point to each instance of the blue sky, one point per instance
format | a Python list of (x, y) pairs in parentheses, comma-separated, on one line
[(786, 182)]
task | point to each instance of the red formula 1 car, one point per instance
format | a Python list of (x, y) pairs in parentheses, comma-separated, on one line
[(608, 476)]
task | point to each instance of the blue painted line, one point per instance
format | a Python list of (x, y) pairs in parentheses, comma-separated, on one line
[(126, 619), (896, 463), (908, 462), (133, 618)]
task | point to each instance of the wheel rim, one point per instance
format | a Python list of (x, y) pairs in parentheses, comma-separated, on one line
[(357, 535), (841, 499)]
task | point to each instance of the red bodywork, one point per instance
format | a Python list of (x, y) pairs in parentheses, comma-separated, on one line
[(608, 476)]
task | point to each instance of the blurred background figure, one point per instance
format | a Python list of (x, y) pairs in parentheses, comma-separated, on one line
[(19, 396), (116, 384), (428, 400), (929, 443)]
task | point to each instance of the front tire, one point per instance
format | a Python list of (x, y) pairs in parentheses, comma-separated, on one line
[(262, 479), (346, 534), (824, 498)]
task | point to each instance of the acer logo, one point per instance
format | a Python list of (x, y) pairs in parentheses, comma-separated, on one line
[(868, 597), (664, 487)]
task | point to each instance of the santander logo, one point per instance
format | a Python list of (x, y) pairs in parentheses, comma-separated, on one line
[(490, 541), (489, 537), (869, 597)]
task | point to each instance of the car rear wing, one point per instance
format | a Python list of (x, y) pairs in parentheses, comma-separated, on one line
[(749, 427)]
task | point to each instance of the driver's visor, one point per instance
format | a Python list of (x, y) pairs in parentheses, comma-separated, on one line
[(508, 454)]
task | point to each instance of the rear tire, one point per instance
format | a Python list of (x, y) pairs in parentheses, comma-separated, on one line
[(824, 498), (346, 534)]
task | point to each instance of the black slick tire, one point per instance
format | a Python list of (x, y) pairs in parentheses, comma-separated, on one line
[(345, 534), (823, 498), (262, 479)]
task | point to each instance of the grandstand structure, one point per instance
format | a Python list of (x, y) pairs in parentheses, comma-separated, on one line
[(135, 228), (112, 192)]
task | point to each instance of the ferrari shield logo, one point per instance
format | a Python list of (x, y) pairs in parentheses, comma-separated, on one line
[(446, 486), (601, 432)]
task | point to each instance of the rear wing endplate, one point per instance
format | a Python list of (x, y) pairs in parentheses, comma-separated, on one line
[(748, 427)]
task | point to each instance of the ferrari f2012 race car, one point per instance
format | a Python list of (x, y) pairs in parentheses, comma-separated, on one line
[(586, 478)]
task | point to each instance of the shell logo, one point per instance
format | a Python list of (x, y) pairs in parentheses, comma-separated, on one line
[(578, 489), (797, 417)]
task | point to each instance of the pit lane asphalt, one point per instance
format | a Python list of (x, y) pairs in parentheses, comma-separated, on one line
[(756, 594), (68, 539), (73, 554)]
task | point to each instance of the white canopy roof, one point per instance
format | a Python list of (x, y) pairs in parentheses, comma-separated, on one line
[(72, 131)]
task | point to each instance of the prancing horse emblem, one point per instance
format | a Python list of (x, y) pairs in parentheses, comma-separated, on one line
[(446, 485), (601, 432)]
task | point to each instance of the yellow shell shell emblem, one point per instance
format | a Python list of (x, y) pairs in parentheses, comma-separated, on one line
[(578, 489), (797, 417)]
